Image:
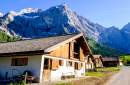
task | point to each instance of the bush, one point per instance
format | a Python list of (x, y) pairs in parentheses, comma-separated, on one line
[(22, 83)]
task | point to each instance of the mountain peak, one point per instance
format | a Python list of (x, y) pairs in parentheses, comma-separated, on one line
[(126, 28), (12, 13), (1, 15), (64, 4), (60, 7), (113, 27)]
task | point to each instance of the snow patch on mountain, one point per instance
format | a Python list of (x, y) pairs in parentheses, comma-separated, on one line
[(29, 10), (126, 32), (1, 15), (28, 16)]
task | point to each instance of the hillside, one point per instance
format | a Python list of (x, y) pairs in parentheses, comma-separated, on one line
[(98, 48), (6, 38), (125, 59)]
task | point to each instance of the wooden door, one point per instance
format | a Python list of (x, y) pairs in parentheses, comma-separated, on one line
[(46, 75), (76, 69)]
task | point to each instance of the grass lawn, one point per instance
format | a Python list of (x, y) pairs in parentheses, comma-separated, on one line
[(109, 69), (96, 74), (101, 71)]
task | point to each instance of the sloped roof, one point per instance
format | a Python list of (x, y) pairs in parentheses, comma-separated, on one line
[(96, 56), (111, 58), (46, 44), (91, 56)]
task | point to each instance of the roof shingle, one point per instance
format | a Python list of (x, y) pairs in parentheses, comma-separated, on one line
[(111, 58), (33, 44)]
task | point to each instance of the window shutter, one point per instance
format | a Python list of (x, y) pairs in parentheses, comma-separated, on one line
[(72, 63), (79, 66), (13, 62), (25, 62), (55, 64), (62, 62), (67, 63)]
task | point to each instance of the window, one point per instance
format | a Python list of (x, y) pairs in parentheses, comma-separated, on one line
[(69, 63), (61, 62), (76, 50), (75, 65), (19, 62), (46, 63), (81, 64)]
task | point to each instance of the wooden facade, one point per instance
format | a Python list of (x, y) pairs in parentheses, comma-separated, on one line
[(89, 63), (68, 51), (99, 61), (112, 61)]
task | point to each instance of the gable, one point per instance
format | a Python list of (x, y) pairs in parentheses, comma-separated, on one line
[(80, 39), (75, 49)]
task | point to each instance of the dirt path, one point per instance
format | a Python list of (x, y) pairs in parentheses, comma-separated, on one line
[(122, 78), (94, 80)]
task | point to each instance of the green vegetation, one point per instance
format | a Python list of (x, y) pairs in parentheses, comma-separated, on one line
[(22, 83), (98, 48), (125, 58), (109, 69), (96, 74), (102, 71), (6, 38)]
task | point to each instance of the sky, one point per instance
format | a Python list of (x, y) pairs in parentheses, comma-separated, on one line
[(104, 12)]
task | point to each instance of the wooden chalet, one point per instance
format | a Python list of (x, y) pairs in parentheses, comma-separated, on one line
[(99, 61), (111, 61), (47, 59), (89, 63)]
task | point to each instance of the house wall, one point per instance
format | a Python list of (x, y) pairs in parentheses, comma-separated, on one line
[(111, 63), (64, 70), (33, 65), (62, 51), (120, 63), (99, 62), (90, 64)]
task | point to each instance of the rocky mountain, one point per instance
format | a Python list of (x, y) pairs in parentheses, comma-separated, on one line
[(57, 20), (115, 38), (32, 23)]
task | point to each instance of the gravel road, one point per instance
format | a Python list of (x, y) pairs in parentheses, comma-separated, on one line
[(122, 78)]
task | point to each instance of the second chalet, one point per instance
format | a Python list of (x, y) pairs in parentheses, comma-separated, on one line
[(99, 61)]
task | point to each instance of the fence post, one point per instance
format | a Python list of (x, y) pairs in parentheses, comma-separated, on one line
[(25, 77)]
